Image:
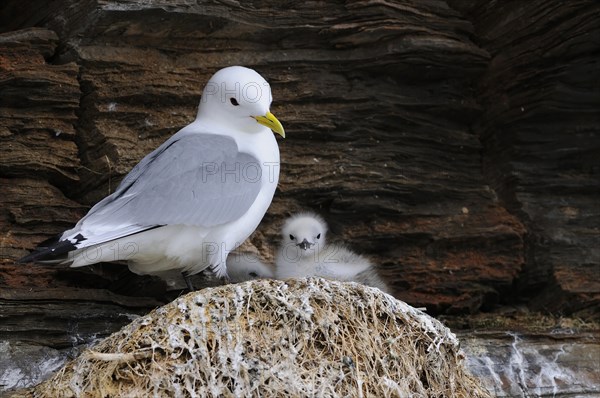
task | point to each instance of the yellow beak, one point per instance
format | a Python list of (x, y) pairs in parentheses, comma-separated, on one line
[(271, 122)]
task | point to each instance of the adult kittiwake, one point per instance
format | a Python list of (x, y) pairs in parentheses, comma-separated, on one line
[(304, 252), (195, 198)]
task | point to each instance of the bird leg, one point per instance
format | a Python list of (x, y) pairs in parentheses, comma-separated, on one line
[(188, 281)]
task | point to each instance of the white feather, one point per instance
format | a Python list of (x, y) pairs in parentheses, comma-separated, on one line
[(242, 267)]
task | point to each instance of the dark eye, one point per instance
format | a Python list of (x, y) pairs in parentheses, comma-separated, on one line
[(234, 102), (292, 237), (319, 236)]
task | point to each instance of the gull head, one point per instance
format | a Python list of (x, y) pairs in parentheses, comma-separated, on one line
[(239, 98), (306, 231)]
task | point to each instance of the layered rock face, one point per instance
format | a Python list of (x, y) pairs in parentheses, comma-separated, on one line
[(38, 105), (377, 100), (455, 143), (541, 144)]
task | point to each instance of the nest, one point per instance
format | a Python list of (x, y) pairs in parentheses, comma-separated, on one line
[(269, 338)]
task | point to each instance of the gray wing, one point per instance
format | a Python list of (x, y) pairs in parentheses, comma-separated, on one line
[(192, 179)]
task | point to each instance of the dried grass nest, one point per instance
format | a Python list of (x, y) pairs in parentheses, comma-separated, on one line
[(268, 338)]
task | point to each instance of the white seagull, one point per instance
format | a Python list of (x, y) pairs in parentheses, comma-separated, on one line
[(194, 199), (304, 252)]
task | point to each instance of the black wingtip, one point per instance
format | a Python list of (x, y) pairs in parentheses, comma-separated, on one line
[(33, 256), (50, 250)]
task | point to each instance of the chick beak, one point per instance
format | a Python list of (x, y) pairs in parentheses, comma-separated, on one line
[(305, 245)]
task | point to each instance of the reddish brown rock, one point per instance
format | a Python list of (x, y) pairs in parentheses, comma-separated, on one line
[(378, 100), (541, 139), (454, 142), (38, 102), (37, 109), (377, 104)]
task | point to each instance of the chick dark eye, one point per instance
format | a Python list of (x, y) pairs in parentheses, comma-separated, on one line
[(234, 102), (292, 237), (319, 236)]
